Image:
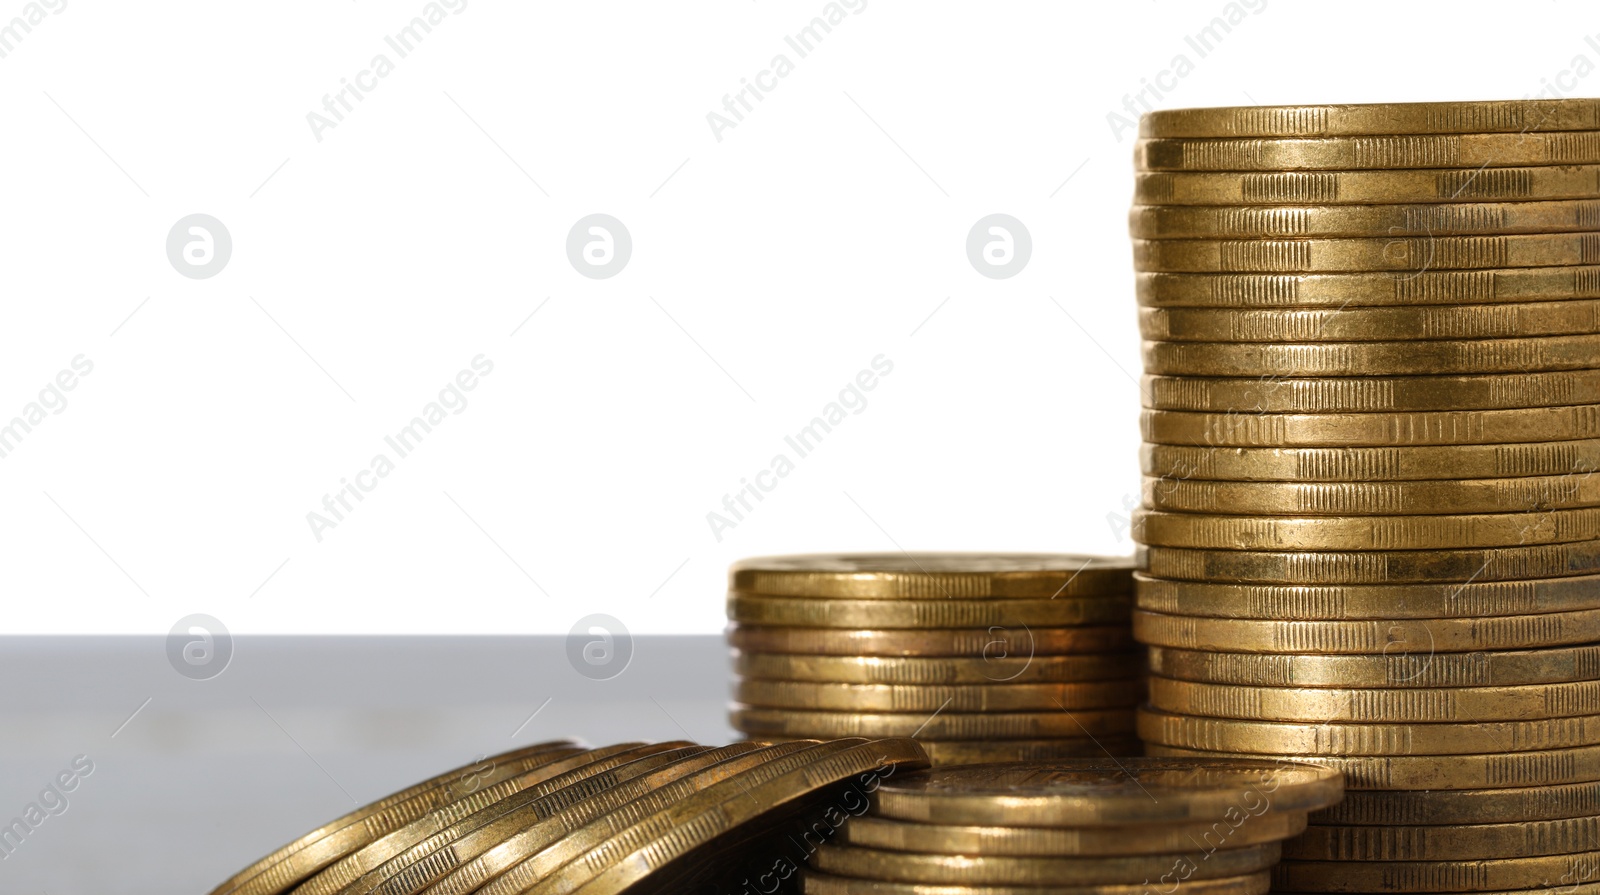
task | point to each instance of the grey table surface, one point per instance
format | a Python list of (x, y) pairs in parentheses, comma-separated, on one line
[(193, 779)]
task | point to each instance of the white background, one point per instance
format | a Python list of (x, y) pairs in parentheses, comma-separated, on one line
[(769, 267)]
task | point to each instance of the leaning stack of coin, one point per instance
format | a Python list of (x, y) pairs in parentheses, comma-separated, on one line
[(1371, 516), (560, 818), (981, 657), (1130, 826)]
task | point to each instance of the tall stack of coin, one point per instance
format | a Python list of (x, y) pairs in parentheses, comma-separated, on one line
[(1371, 516), (1111, 827), (981, 657)]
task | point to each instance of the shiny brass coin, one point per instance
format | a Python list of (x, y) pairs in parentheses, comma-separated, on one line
[(1251, 884), (1397, 637), (1371, 464), (894, 866), (1396, 358), (1369, 152), (1562, 889), (928, 576), (1457, 704), (1299, 738), (958, 670), (1450, 218), (291, 864), (1377, 567), (940, 726), (1373, 187), (1370, 429), (994, 642), (957, 752), (1368, 289), (1397, 669), (1405, 254), (1311, 602), (1495, 116), (1438, 772), (1452, 496), (805, 612), (1512, 320), (1546, 837), (1372, 394), (1108, 791), (1465, 806), (993, 697), (944, 839), (656, 851), (1533, 525), (1436, 876)]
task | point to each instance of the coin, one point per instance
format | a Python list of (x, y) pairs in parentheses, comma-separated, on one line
[(1466, 806), (1406, 254), (1367, 289), (1366, 464), (1394, 358), (1419, 322), (1299, 738), (1310, 602), (1495, 116), (994, 642), (1439, 531), (1369, 187), (1456, 704), (843, 613), (1022, 669), (1093, 792), (1376, 567), (1398, 669), (1454, 496), (1368, 152), (1454, 843), (871, 863), (926, 576), (994, 697), (1442, 772), (1379, 637), (1372, 394), (1435, 876), (1251, 884), (937, 726), (956, 752), (945, 839), (1269, 221)]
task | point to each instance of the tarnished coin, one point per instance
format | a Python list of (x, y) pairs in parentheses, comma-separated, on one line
[(1349, 738), (1519, 319), (1519, 116), (1437, 531), (1371, 187), (894, 866), (1456, 843), (1311, 602), (1424, 668), (955, 670), (993, 642), (956, 752), (1372, 394), (991, 697), (1403, 254), (1438, 772), (1367, 289), (929, 576), (1095, 792), (1457, 704), (1369, 152), (1372, 464), (1374, 566), (938, 613), (1451, 496), (1437, 876), (945, 839), (1379, 637), (1252, 884), (1415, 357), (1280, 221), (937, 726), (1465, 806)]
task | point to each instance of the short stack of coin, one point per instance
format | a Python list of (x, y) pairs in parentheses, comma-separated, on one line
[(981, 657), (1110, 827), (1371, 510)]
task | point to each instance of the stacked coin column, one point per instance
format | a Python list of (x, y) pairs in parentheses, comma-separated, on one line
[(1370, 504), (981, 657)]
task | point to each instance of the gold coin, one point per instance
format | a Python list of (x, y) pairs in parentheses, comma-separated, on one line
[(1465, 806), (987, 644), (1372, 187), (657, 849), (1456, 704), (1372, 394), (1159, 528), (1406, 254), (1109, 791), (1376, 567), (1438, 772), (841, 613), (936, 726), (1290, 738), (892, 866), (1022, 669), (944, 839), (927, 576), (1252, 884), (289, 865), (1453, 843), (1450, 218), (1443, 427), (1395, 358), (1368, 152), (1395, 637), (1367, 289), (1452, 496), (994, 697), (1311, 602), (1398, 669), (1436, 876), (1494, 116), (957, 752), (1517, 319), (1369, 464)]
